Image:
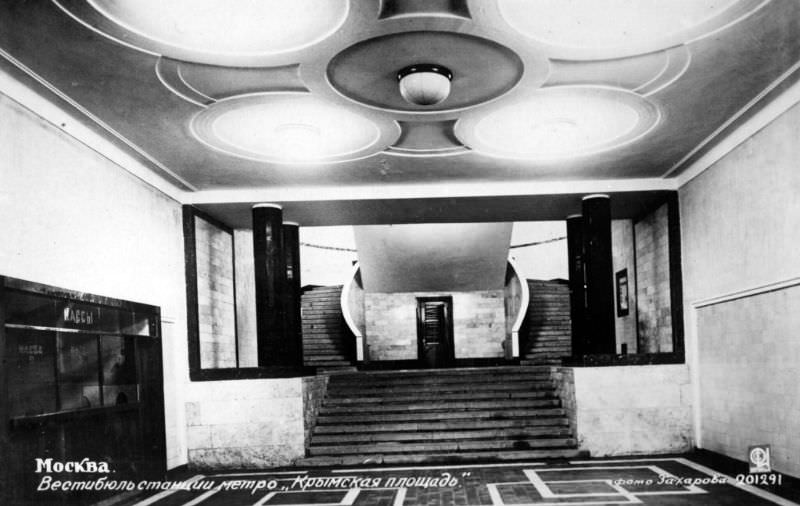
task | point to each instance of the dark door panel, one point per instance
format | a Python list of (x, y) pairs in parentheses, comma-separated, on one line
[(435, 331)]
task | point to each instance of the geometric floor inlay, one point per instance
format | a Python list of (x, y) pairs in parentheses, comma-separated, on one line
[(656, 481)]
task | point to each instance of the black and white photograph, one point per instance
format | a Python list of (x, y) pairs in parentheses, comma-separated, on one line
[(399, 252)]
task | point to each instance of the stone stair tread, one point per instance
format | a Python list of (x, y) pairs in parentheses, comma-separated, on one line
[(448, 425), (513, 433), (454, 379), (379, 401), (441, 406), (443, 458), (441, 389), (327, 356), (502, 414), (451, 446)]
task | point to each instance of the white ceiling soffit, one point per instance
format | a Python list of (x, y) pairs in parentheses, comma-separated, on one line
[(433, 257)]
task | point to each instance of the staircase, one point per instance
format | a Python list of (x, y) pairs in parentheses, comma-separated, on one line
[(441, 415), (547, 330), (326, 336)]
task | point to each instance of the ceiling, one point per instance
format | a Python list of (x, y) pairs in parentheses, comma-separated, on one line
[(296, 102)]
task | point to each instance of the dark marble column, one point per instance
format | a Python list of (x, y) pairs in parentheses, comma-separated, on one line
[(270, 280), (577, 283), (599, 272), (293, 321)]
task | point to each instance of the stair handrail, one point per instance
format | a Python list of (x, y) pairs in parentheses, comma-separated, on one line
[(523, 308), (345, 305)]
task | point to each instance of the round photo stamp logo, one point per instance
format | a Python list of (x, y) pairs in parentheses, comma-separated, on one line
[(759, 459)]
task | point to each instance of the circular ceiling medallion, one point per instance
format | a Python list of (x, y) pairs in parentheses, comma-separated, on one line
[(210, 31), (615, 27), (559, 122), (481, 69), (289, 128)]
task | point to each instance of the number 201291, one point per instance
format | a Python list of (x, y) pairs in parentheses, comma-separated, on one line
[(759, 479)]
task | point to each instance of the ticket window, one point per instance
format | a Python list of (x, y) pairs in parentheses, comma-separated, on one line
[(84, 380)]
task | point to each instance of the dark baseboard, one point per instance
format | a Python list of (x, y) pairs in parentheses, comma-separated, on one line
[(629, 359)]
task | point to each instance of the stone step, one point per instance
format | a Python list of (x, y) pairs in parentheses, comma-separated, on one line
[(322, 344), (556, 422), (480, 457), (544, 352), (327, 363), (326, 357), (379, 401), (318, 315), (312, 345), (445, 389), (443, 446), (323, 325), (415, 378), (548, 347), (422, 416), (546, 333), (517, 433), (318, 289), (452, 406), (421, 383), (540, 362), (337, 369)]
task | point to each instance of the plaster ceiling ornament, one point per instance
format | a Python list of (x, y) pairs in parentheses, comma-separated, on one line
[(123, 62), (603, 29), (479, 70), (560, 122), (292, 128), (234, 32)]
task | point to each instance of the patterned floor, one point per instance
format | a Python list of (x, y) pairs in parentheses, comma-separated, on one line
[(651, 481)]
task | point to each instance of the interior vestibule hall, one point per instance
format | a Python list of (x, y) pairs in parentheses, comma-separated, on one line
[(396, 232)]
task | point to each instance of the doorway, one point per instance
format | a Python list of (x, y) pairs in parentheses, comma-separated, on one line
[(435, 331)]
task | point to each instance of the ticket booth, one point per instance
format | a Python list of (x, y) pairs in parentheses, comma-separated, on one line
[(81, 383)]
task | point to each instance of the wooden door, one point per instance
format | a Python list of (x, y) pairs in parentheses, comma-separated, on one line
[(435, 331)]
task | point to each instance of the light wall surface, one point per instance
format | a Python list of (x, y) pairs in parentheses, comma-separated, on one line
[(241, 424), (739, 232), (479, 324), (433, 257), (632, 410), (653, 289), (547, 260), (73, 219), (623, 257)]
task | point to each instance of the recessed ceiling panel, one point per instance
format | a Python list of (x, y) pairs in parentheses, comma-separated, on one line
[(481, 69), (210, 31), (619, 27), (561, 122), (289, 128)]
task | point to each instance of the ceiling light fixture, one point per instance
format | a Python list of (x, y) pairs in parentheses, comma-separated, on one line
[(425, 83)]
